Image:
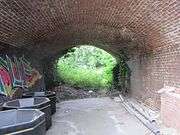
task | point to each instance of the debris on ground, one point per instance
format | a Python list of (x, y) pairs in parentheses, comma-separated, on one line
[(150, 118), (65, 92)]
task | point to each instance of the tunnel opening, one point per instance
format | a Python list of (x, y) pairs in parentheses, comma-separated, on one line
[(88, 68)]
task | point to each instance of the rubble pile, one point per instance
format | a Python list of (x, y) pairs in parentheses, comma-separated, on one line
[(65, 92)]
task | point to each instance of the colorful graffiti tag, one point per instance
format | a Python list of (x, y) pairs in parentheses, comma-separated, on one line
[(16, 72)]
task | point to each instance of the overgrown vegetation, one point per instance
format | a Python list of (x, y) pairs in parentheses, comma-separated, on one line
[(86, 66)]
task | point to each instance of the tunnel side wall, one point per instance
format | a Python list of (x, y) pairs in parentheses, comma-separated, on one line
[(19, 68), (152, 71)]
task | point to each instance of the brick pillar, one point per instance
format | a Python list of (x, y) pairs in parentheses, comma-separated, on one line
[(170, 108)]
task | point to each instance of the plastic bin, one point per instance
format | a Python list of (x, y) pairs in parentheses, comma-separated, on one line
[(22, 122), (1, 106), (49, 94), (41, 103)]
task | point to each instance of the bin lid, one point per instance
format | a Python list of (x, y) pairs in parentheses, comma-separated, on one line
[(19, 117), (26, 102)]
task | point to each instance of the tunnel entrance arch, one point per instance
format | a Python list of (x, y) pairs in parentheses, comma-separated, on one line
[(120, 71)]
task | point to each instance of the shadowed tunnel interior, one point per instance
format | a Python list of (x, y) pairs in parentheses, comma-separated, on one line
[(147, 31)]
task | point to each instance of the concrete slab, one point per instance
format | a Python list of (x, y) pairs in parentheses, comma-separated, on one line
[(95, 116)]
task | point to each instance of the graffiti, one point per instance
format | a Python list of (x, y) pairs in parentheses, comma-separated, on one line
[(16, 72)]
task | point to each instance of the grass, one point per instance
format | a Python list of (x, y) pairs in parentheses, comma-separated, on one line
[(86, 66)]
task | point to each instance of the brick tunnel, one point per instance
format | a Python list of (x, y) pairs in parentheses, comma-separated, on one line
[(147, 31)]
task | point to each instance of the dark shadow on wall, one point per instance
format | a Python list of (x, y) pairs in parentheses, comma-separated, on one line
[(49, 72), (121, 78)]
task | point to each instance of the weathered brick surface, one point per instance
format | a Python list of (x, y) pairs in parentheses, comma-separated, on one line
[(154, 70), (59, 23), (170, 110), (151, 27)]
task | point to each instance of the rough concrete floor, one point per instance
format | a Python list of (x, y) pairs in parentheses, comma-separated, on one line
[(95, 116)]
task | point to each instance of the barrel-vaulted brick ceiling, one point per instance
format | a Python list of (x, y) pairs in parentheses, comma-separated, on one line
[(48, 26)]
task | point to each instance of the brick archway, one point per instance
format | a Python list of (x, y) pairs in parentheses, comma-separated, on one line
[(148, 30)]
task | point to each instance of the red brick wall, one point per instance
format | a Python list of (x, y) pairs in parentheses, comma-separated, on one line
[(150, 26), (49, 26), (154, 70)]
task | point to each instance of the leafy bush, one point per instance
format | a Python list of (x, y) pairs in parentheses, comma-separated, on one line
[(86, 66)]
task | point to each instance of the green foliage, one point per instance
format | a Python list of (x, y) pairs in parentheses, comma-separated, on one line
[(86, 66)]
